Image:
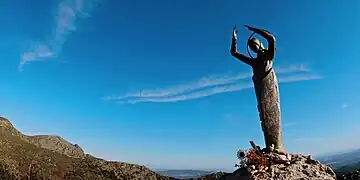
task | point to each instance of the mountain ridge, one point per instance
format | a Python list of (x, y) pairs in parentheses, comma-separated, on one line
[(50, 142), (21, 157), (339, 160)]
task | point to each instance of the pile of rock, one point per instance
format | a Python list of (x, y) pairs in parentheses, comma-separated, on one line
[(257, 164), (298, 167), (269, 164), (293, 166)]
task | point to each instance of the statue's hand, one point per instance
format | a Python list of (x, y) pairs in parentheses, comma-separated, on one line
[(235, 33), (250, 28)]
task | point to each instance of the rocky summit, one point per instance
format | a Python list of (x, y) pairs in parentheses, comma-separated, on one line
[(297, 167), (53, 143)]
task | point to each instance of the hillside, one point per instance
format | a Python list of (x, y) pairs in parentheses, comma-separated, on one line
[(45, 157), (340, 160), (51, 157), (346, 165)]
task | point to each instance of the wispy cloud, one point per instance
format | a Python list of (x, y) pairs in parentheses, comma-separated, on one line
[(208, 81), (192, 95), (230, 117), (308, 139), (288, 124), (207, 86), (301, 77), (292, 68), (344, 105), (67, 12)]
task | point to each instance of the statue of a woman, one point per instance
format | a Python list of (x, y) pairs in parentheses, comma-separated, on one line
[(266, 85)]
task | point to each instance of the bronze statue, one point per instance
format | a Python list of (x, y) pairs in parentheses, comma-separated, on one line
[(266, 85)]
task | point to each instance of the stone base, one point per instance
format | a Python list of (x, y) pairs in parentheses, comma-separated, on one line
[(283, 167), (297, 166)]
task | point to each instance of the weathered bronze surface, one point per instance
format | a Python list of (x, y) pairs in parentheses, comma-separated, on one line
[(266, 86)]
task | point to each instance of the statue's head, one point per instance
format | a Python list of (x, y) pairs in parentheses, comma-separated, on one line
[(255, 45)]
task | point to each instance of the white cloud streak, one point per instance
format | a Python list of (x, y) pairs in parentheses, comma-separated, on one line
[(67, 12), (344, 105), (207, 86), (288, 124), (292, 68), (193, 95), (307, 139), (205, 82), (183, 88), (295, 78)]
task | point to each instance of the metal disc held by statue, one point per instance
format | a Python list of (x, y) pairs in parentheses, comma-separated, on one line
[(247, 45), (254, 44), (255, 41)]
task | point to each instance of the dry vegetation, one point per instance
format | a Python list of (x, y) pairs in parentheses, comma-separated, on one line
[(24, 159)]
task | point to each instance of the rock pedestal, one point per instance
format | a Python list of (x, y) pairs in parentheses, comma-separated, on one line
[(284, 167)]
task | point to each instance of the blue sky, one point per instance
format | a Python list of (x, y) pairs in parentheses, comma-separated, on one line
[(153, 82)]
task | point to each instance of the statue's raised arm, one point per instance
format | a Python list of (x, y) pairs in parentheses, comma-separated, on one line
[(234, 52)]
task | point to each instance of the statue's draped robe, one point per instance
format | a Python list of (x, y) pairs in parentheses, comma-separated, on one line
[(266, 89), (267, 93)]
